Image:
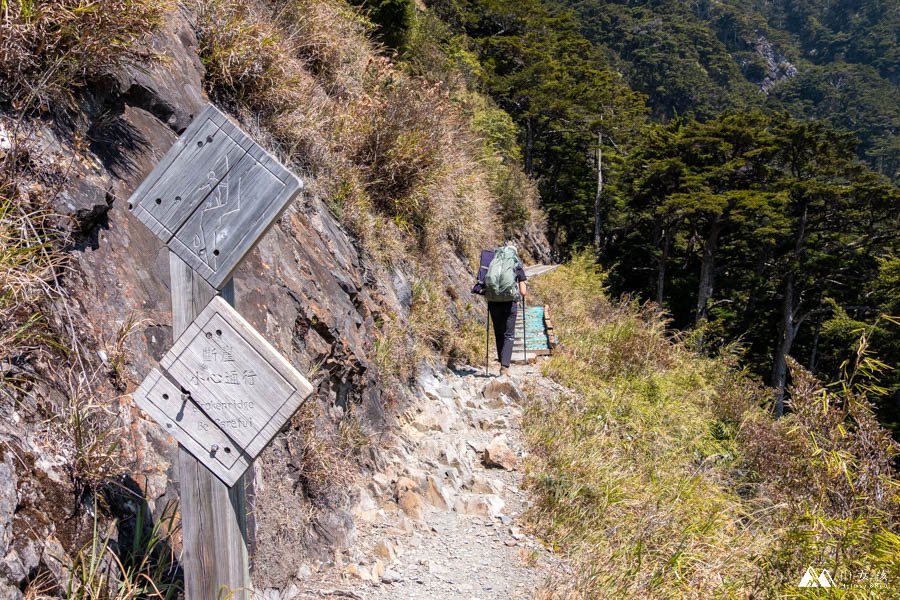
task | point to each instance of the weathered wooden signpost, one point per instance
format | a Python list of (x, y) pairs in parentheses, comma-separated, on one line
[(225, 392)]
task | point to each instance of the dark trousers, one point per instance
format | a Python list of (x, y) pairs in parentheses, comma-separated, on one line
[(503, 315)]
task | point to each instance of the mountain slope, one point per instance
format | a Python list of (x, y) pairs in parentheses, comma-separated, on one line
[(833, 60), (363, 280), (660, 473)]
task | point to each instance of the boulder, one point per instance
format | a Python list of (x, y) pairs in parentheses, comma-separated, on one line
[(391, 576), (405, 484), (483, 485), (406, 491), (433, 419), (380, 485), (451, 476), (501, 401), (488, 506), (377, 571), (385, 551), (411, 503), (435, 494), (364, 503), (496, 387), (10, 592), (498, 454), (335, 529)]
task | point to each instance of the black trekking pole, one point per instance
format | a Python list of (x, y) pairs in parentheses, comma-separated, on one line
[(524, 332), (487, 342)]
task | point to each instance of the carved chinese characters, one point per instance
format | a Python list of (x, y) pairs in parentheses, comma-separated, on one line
[(233, 392)]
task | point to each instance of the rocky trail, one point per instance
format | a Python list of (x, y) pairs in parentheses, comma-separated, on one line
[(443, 520)]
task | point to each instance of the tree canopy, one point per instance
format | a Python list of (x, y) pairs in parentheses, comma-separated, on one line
[(732, 161)]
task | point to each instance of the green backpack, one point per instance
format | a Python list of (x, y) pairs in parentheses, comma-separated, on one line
[(500, 283)]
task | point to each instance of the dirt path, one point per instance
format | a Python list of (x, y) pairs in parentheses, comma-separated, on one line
[(438, 523)]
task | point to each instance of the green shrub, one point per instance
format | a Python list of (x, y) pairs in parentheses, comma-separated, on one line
[(393, 19), (102, 571)]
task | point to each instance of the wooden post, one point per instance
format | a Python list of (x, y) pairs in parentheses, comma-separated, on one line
[(215, 559), (210, 199)]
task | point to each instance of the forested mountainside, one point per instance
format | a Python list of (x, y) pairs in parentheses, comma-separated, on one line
[(835, 62), (709, 248), (831, 60), (731, 161)]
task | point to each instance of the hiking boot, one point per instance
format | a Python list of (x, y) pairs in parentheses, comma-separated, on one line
[(504, 371)]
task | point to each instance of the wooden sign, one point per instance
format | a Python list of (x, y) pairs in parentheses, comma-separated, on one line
[(213, 196), (234, 391), (197, 432)]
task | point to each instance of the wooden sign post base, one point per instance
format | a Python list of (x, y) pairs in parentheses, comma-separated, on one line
[(213, 516)]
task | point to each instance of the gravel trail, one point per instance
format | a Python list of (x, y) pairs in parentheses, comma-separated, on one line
[(443, 521)]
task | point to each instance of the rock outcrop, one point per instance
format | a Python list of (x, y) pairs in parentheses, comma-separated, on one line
[(778, 67), (307, 288)]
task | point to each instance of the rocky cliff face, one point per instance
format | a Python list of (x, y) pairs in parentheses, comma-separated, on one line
[(307, 288), (778, 67)]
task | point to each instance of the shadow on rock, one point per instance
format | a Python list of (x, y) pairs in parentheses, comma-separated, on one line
[(142, 545)]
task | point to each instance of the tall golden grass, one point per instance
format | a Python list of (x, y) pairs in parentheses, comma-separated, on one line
[(50, 48), (661, 473), (415, 171), (390, 153)]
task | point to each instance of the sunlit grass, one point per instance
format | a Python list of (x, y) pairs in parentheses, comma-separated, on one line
[(660, 474)]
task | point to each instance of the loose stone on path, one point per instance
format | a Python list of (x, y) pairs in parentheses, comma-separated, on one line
[(443, 519)]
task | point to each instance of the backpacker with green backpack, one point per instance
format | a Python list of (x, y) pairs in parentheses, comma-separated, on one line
[(500, 283)]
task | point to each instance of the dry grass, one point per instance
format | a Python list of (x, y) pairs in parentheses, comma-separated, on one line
[(395, 353), (307, 472), (115, 354), (413, 170), (28, 263), (827, 471), (66, 397), (31, 259), (661, 474), (392, 155), (85, 432), (405, 340), (102, 571), (320, 466), (50, 48), (470, 337), (38, 339), (435, 54), (438, 324), (48, 375), (319, 33)]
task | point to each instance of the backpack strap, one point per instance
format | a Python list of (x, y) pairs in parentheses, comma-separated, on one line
[(486, 257)]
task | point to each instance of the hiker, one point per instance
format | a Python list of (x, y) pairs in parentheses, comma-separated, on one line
[(504, 287)]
